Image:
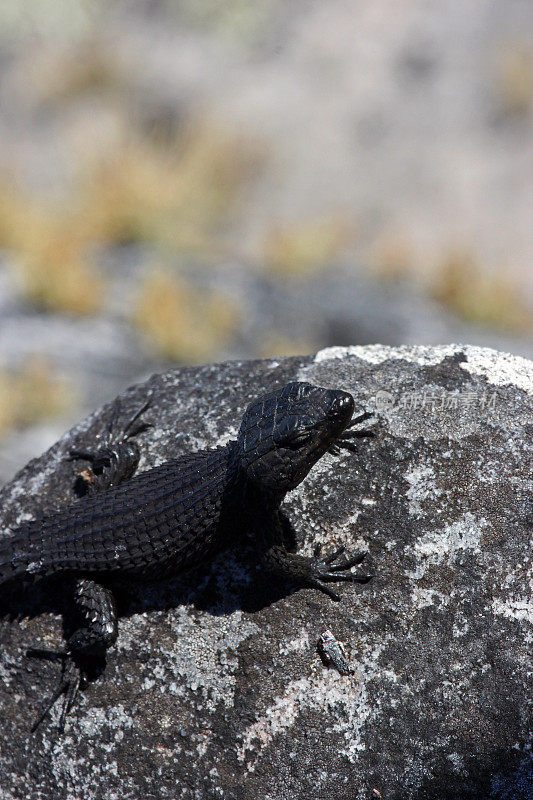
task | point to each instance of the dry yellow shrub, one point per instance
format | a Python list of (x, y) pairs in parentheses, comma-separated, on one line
[(175, 196), (278, 345), (481, 298), (30, 395), (48, 255), (306, 246), (181, 322), (391, 258), (514, 77)]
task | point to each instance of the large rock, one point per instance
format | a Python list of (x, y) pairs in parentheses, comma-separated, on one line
[(215, 688)]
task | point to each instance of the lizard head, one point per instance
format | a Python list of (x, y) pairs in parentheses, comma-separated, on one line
[(285, 432)]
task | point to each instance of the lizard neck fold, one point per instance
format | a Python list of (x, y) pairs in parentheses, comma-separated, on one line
[(247, 493)]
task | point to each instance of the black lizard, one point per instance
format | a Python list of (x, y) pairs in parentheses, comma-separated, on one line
[(175, 516)]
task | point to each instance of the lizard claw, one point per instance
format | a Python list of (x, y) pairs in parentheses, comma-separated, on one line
[(326, 570), (316, 584), (69, 684), (334, 555), (346, 563)]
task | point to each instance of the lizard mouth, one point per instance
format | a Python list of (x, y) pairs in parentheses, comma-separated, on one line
[(345, 440)]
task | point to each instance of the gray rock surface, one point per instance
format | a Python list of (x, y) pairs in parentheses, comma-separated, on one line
[(215, 689)]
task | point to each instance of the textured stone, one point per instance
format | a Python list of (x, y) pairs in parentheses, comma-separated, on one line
[(215, 688)]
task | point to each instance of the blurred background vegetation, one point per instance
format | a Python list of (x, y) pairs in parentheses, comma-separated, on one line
[(183, 182)]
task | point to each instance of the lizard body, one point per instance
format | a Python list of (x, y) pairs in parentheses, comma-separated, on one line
[(177, 515)]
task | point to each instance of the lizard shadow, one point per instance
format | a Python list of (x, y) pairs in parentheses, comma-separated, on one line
[(234, 580)]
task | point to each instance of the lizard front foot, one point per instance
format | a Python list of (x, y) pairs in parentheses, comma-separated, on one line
[(329, 569)]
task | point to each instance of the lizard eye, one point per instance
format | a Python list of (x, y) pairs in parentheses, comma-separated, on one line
[(291, 433), (298, 438)]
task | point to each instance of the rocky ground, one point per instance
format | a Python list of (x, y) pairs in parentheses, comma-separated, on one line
[(215, 688)]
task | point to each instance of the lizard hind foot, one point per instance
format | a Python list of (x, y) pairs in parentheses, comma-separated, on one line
[(117, 456), (69, 684)]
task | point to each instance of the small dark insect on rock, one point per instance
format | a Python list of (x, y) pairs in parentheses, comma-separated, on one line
[(333, 654)]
